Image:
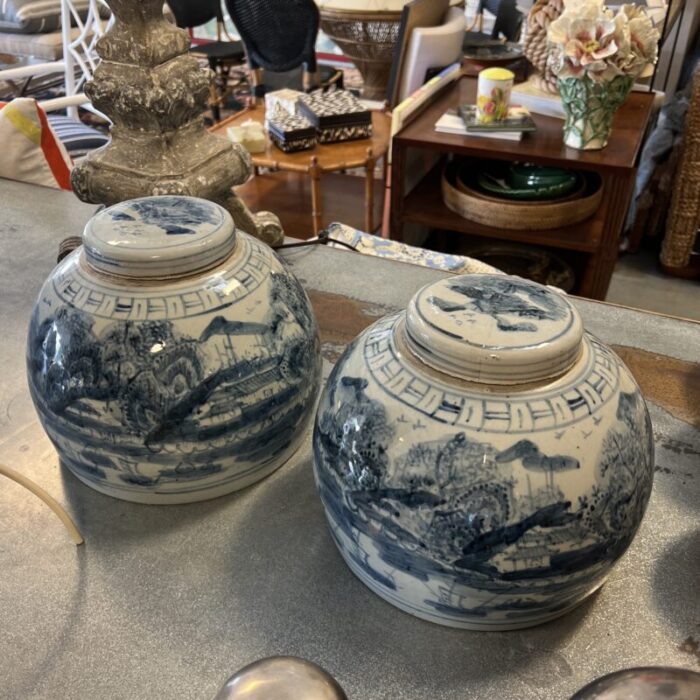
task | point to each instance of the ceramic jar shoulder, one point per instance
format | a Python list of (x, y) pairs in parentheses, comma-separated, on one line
[(164, 387), (481, 506)]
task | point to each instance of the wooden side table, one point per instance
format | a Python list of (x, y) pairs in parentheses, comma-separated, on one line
[(325, 158), (593, 242)]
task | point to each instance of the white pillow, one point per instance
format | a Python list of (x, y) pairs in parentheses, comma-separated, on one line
[(30, 150)]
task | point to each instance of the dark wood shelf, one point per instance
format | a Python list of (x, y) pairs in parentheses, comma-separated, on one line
[(594, 241), (424, 205), (545, 146)]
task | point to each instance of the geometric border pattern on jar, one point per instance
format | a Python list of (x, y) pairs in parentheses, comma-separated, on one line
[(104, 302), (596, 384)]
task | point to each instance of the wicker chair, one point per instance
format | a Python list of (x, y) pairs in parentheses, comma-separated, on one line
[(279, 36), (222, 55), (368, 39)]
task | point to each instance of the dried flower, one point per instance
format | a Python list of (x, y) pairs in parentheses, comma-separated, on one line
[(589, 40)]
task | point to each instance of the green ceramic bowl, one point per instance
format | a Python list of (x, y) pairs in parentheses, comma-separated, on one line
[(499, 187), (526, 175)]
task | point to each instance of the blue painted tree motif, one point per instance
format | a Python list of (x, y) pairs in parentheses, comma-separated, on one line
[(143, 368), (358, 435), (615, 507), (498, 298), (175, 215)]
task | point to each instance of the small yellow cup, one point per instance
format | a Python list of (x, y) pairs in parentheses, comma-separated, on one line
[(493, 94)]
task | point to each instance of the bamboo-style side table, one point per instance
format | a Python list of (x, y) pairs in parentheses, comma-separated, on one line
[(325, 158)]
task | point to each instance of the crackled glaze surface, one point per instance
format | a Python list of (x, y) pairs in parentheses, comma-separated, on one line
[(166, 391), (494, 329), (477, 506), (159, 237)]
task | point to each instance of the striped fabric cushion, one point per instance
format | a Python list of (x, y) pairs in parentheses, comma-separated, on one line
[(78, 138), (47, 47), (30, 150), (35, 16)]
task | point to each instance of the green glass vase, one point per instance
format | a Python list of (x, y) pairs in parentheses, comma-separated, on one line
[(590, 107)]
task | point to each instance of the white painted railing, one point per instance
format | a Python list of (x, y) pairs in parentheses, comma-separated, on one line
[(80, 51), (79, 57)]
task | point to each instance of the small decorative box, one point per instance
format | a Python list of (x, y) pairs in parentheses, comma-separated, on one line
[(250, 135), (290, 132), (287, 99), (337, 115)]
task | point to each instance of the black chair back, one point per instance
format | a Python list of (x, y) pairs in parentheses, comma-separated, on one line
[(195, 13), (509, 19), (278, 35)]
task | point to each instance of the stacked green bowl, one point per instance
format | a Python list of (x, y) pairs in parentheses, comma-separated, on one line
[(524, 181)]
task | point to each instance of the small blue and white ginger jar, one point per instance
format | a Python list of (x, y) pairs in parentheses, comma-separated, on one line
[(483, 461), (172, 358)]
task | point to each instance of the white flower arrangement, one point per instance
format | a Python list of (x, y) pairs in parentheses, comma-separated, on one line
[(588, 39)]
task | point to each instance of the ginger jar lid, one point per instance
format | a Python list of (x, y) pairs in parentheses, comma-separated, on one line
[(159, 237), (494, 329)]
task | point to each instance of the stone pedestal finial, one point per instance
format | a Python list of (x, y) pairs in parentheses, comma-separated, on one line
[(155, 92)]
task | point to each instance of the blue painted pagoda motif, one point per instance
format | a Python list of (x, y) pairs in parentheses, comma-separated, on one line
[(456, 513)]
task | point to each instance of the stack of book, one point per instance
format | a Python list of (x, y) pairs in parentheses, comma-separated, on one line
[(529, 94), (463, 121)]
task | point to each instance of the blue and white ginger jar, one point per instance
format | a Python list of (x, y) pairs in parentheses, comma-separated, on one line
[(171, 358), (482, 460)]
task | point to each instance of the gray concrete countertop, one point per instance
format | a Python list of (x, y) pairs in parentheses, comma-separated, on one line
[(167, 601)]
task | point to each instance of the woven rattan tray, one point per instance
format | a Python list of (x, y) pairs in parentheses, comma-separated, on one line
[(461, 195)]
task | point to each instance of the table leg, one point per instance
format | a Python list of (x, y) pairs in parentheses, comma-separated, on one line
[(316, 214), (386, 194), (398, 158), (600, 266), (369, 192)]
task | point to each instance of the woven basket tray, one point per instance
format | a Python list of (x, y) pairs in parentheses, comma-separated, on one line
[(464, 199)]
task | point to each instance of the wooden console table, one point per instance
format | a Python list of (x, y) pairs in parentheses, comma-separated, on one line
[(594, 242), (312, 164)]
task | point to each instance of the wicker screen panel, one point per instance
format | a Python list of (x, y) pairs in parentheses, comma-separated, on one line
[(684, 217)]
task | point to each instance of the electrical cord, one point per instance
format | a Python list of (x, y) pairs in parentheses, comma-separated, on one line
[(68, 245), (49, 500), (323, 238)]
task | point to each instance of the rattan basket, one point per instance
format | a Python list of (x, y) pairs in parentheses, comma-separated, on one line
[(464, 199)]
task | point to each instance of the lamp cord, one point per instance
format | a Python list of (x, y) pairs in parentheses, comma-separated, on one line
[(323, 238)]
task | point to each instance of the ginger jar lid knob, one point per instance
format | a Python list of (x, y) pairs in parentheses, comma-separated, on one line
[(494, 329), (159, 237)]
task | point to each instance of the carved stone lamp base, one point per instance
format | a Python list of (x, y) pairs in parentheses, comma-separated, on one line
[(155, 93)]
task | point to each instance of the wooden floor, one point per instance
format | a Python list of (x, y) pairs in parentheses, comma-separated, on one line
[(289, 196)]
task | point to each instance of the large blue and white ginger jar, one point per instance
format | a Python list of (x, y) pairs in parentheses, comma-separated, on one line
[(172, 358), (483, 461)]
